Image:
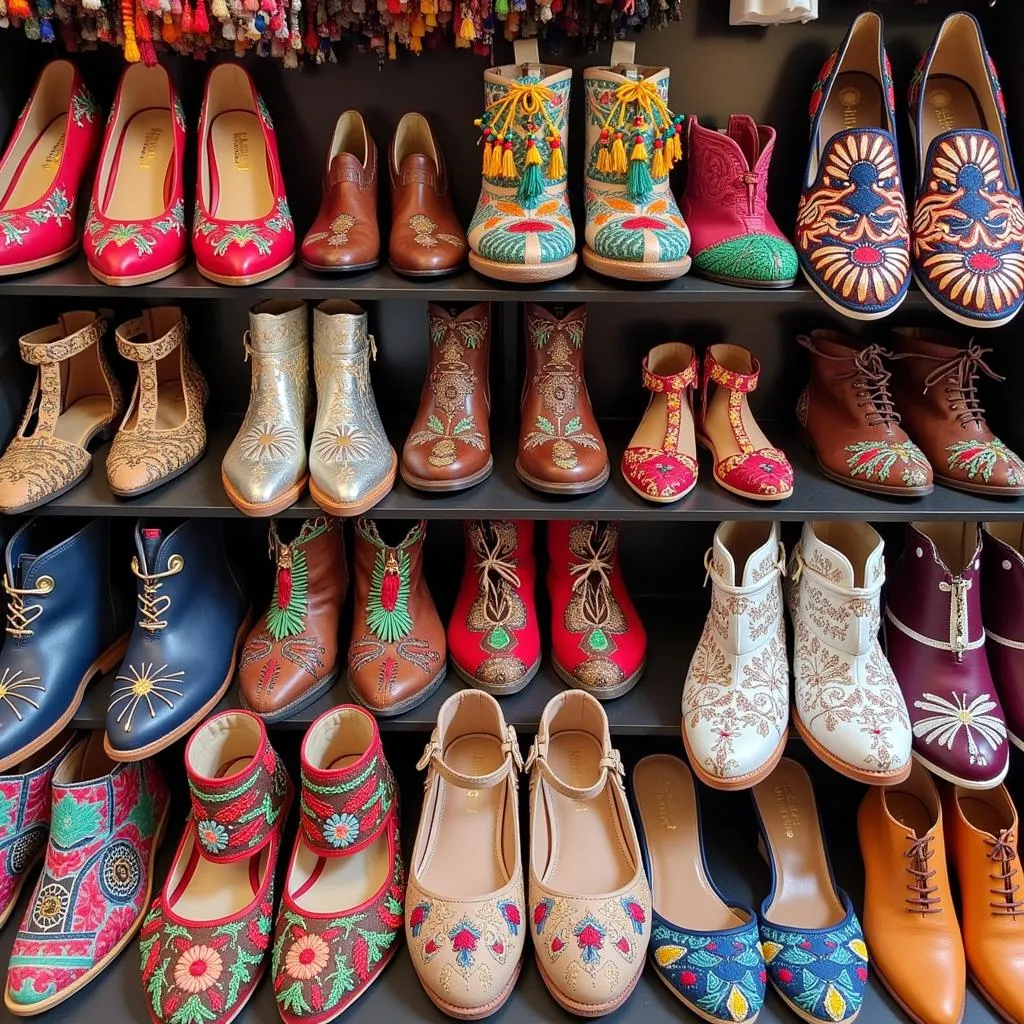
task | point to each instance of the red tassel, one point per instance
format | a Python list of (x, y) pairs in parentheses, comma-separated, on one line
[(186, 18), (284, 587), (200, 22), (389, 591)]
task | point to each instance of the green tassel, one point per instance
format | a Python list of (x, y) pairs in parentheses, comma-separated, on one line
[(501, 9), (638, 181), (531, 186)]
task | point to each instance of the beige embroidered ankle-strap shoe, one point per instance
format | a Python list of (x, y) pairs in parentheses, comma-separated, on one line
[(590, 904), (465, 904), (75, 401), (163, 432)]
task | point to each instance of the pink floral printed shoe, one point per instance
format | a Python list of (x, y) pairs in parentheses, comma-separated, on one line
[(107, 823), (341, 910), (43, 169), (135, 232), (25, 796), (660, 463), (243, 231), (746, 462), (204, 942)]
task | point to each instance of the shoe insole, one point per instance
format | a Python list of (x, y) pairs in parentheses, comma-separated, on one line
[(910, 812), (588, 832), (141, 169), (79, 423), (804, 894), (650, 433), (240, 187), (949, 104), (38, 166), (719, 430), (170, 407), (854, 102), (467, 820), (207, 890), (667, 805), (321, 885), (983, 816)]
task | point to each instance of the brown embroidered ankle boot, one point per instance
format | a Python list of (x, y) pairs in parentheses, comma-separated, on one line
[(449, 446), (561, 450), (163, 433)]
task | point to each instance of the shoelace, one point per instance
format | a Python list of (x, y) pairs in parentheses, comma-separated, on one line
[(593, 575), (496, 569), (961, 375), (923, 899), (153, 604), (20, 615), (1004, 853), (871, 379)]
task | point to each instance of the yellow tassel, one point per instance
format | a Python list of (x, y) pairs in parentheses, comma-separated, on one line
[(604, 161), (466, 30), (392, 47), (492, 165), (658, 166), (532, 155), (508, 163), (618, 156), (639, 150), (556, 165), (488, 150), (677, 147)]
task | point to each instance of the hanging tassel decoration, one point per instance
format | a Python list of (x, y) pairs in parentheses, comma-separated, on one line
[(604, 157), (638, 179), (531, 184), (508, 162), (659, 166), (131, 46), (19, 9), (618, 161), (492, 169), (556, 162)]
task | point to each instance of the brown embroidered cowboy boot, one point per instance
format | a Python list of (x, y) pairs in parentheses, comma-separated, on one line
[(449, 446), (561, 450), (935, 385), (396, 658), (291, 656)]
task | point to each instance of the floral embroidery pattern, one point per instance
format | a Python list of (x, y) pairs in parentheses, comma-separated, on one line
[(83, 107), (337, 236), (268, 442), (427, 234), (874, 460), (242, 235), (979, 458), (15, 225), (947, 717)]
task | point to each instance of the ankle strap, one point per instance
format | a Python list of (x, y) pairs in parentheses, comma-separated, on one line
[(433, 756), (671, 382), (148, 351), (745, 382), (52, 345), (610, 763)]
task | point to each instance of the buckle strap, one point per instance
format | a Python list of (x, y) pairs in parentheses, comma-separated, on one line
[(433, 756), (610, 764), (745, 382), (148, 351), (671, 382), (39, 347), (237, 816)]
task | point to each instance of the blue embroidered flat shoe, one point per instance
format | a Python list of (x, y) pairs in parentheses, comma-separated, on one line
[(192, 618), (703, 947), (968, 233), (812, 942), (852, 237)]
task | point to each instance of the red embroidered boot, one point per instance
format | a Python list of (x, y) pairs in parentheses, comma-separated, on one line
[(204, 943), (598, 642), (493, 637), (343, 902)]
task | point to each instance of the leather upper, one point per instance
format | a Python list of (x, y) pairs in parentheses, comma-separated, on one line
[(181, 654), (65, 616), (1002, 595)]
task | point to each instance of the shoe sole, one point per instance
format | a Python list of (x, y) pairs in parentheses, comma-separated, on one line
[(271, 508), (356, 508), (358, 268), (141, 753), (494, 690), (415, 274), (97, 969), (803, 1015), (628, 270), (546, 487), (479, 1012), (744, 282), (107, 661), (609, 694), (297, 705), (582, 1009), (518, 273), (1009, 1018), (965, 783), (449, 486), (965, 321), (128, 282), (844, 767), (45, 261), (741, 781), (242, 282), (407, 705)]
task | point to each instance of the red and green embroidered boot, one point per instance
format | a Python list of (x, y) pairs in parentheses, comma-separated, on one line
[(342, 906), (25, 818), (598, 642), (107, 821), (204, 943), (493, 636)]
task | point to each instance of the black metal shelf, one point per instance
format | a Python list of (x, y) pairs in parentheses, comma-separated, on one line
[(199, 493), (73, 279)]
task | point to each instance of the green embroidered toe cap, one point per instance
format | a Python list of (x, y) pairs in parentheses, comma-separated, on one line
[(754, 259)]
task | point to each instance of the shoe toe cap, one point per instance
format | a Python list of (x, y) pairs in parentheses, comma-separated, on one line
[(751, 259)]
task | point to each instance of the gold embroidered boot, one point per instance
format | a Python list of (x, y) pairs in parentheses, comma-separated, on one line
[(163, 432), (75, 401)]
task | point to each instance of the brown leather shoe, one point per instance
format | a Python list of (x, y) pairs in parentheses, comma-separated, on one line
[(934, 384), (909, 917), (291, 655), (397, 655), (426, 236), (561, 450), (449, 446), (981, 826), (850, 421), (344, 235)]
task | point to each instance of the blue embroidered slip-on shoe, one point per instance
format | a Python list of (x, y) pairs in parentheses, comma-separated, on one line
[(703, 947), (812, 942), (852, 238), (968, 232)]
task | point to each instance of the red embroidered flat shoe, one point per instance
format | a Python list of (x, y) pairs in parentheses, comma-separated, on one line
[(598, 642), (243, 231), (42, 170), (493, 636), (204, 942), (343, 902), (135, 232), (660, 463), (746, 462)]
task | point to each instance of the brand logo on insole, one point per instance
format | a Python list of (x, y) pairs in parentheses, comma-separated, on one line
[(789, 813), (56, 151), (473, 795), (665, 794), (241, 143), (577, 778), (147, 155), (849, 100), (941, 101)]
